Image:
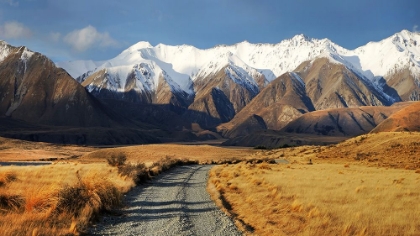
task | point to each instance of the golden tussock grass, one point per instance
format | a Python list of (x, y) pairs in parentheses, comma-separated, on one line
[(62, 199), (389, 149), (319, 199), (155, 152), (57, 199)]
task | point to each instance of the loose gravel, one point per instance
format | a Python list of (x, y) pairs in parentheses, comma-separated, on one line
[(174, 203)]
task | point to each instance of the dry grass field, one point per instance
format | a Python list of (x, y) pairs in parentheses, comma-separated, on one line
[(19, 150), (155, 152), (63, 198), (321, 199), (57, 199), (368, 185), (392, 150)]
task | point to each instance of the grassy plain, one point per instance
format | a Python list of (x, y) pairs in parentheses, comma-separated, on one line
[(154, 152), (63, 198), (368, 185), (20, 150)]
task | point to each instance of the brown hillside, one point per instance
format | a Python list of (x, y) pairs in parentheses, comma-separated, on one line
[(35, 90), (276, 139), (218, 98), (407, 119), (282, 101), (387, 149), (342, 121), (406, 85), (326, 85), (331, 85)]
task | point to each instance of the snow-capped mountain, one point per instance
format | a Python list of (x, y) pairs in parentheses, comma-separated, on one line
[(183, 63), (387, 56), (389, 70)]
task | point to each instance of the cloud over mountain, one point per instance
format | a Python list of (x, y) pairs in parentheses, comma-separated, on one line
[(14, 30), (88, 37)]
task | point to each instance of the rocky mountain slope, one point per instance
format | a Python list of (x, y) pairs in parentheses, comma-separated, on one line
[(40, 102), (33, 89), (317, 85), (282, 101), (240, 90), (220, 94), (213, 86)]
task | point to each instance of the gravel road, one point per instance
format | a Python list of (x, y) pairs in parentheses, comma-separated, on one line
[(174, 203)]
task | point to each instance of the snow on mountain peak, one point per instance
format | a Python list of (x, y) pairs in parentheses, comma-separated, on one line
[(401, 50), (184, 63), (140, 45), (4, 50), (300, 38), (26, 54)]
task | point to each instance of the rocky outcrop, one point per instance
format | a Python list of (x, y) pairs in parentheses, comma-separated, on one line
[(33, 89)]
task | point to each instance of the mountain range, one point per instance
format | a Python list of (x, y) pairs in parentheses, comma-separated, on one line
[(234, 90)]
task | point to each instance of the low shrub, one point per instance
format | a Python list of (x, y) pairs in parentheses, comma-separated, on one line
[(117, 159), (7, 177), (11, 203), (86, 199)]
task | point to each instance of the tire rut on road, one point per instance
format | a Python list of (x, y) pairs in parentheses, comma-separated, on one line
[(174, 203)]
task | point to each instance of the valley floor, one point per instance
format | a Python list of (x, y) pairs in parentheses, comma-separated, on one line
[(367, 185)]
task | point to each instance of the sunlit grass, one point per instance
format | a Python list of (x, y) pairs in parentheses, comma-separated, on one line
[(320, 199), (57, 199)]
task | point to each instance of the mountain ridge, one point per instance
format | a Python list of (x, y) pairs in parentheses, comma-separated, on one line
[(181, 65), (254, 86)]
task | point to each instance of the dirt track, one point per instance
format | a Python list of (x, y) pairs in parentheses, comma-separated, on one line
[(175, 203)]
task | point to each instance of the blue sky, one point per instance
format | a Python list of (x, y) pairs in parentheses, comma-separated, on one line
[(101, 29)]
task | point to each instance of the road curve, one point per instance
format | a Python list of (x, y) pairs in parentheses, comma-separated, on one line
[(174, 203)]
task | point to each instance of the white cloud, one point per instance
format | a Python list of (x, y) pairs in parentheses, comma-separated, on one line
[(14, 30), (12, 3), (415, 29), (88, 37), (55, 36)]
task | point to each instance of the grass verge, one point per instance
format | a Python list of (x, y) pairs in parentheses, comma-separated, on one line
[(319, 199)]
